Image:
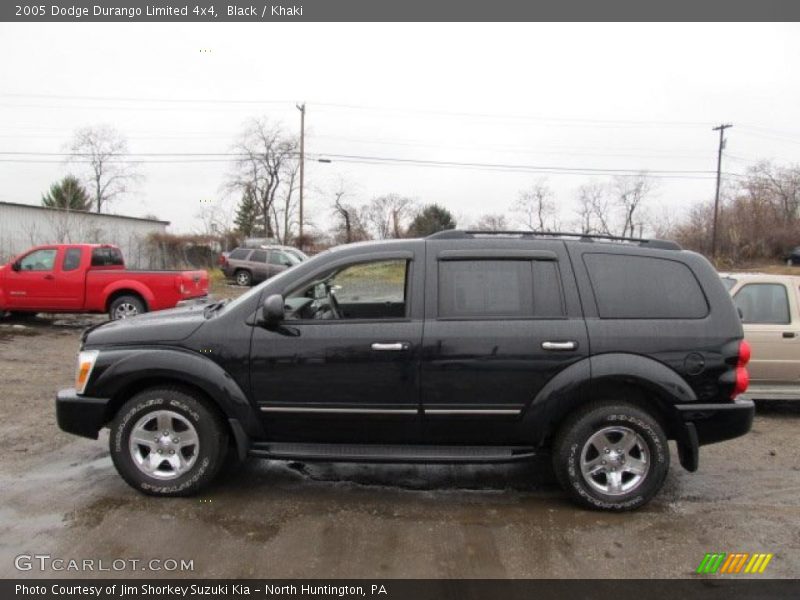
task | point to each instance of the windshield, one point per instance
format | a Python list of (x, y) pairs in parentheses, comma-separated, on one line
[(254, 291)]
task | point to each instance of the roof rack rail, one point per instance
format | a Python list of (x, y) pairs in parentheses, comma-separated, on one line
[(461, 234)]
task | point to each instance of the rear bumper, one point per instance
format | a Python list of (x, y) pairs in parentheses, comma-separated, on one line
[(719, 422), (80, 415)]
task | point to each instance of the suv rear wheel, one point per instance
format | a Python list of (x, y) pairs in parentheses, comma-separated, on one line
[(611, 456), (243, 278), (166, 442)]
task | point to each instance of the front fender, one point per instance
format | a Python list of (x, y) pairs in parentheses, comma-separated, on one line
[(119, 370)]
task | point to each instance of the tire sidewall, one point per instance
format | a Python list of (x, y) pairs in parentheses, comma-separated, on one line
[(211, 441), (140, 307), (584, 428)]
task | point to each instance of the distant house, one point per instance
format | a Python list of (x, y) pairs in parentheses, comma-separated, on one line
[(26, 225)]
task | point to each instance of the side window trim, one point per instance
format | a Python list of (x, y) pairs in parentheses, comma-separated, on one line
[(531, 256), (341, 265), (68, 252), (52, 267)]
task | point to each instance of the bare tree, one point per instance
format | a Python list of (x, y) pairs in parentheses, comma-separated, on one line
[(285, 209), (778, 185), (105, 151), (594, 209), (537, 208), (491, 222), (630, 194), (389, 215), (267, 156), (350, 226)]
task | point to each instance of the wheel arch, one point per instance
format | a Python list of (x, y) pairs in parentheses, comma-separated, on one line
[(125, 292), (643, 382), (147, 368)]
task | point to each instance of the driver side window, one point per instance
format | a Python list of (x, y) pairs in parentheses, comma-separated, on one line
[(39, 260), (366, 290)]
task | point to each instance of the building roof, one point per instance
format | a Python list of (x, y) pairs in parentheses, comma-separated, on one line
[(18, 204)]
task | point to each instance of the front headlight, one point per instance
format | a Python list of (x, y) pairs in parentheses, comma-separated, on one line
[(86, 360)]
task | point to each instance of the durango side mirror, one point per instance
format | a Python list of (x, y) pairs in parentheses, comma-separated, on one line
[(272, 311), (15, 266)]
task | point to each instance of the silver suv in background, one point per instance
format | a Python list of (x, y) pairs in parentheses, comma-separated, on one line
[(247, 266)]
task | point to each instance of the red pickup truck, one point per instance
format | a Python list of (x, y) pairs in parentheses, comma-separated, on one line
[(91, 278)]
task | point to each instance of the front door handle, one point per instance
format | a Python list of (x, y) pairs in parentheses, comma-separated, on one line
[(789, 334), (49, 277), (392, 347), (559, 345)]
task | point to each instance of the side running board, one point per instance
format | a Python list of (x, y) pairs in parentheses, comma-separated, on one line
[(391, 453)]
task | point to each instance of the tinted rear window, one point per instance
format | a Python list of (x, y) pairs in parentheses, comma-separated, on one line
[(239, 254), (485, 288), (643, 287), (106, 257)]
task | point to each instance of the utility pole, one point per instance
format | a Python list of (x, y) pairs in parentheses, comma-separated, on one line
[(302, 109), (721, 129)]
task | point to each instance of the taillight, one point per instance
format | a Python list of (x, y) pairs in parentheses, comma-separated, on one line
[(742, 376), (744, 354)]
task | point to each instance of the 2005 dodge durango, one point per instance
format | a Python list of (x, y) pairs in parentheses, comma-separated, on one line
[(464, 347)]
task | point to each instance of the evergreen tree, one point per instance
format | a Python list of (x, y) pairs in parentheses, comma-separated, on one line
[(431, 219), (67, 193), (248, 215)]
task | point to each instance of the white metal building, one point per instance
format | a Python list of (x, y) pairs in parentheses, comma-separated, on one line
[(26, 225)]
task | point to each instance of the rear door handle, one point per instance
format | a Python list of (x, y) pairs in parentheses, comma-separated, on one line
[(559, 345), (392, 347), (49, 277), (789, 334)]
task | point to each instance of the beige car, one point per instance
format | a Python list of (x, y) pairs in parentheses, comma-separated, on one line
[(768, 305)]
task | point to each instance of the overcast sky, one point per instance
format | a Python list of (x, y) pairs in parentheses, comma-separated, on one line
[(561, 96)]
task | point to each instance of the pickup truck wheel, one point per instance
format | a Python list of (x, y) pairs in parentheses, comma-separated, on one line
[(611, 456), (125, 307), (243, 278), (165, 442)]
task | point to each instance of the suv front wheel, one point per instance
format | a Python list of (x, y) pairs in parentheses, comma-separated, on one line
[(611, 456), (166, 442)]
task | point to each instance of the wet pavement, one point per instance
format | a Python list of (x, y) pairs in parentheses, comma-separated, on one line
[(60, 495)]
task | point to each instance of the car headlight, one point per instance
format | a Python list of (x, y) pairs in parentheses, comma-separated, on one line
[(86, 360)]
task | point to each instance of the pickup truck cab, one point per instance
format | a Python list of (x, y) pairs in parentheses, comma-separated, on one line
[(770, 310), (465, 347), (91, 278)]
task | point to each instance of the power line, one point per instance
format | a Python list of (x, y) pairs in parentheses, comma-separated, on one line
[(377, 159)]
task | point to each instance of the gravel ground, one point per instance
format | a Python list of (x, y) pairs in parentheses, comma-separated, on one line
[(61, 496)]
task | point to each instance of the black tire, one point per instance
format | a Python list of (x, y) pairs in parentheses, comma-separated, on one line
[(243, 277), (126, 306), (209, 454), (572, 445)]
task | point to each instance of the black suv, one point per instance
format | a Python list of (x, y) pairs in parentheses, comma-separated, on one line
[(470, 347)]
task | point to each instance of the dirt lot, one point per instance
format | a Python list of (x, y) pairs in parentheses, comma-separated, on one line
[(61, 496)]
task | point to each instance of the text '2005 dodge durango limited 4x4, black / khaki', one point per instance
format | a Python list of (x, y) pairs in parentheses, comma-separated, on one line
[(468, 347)]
